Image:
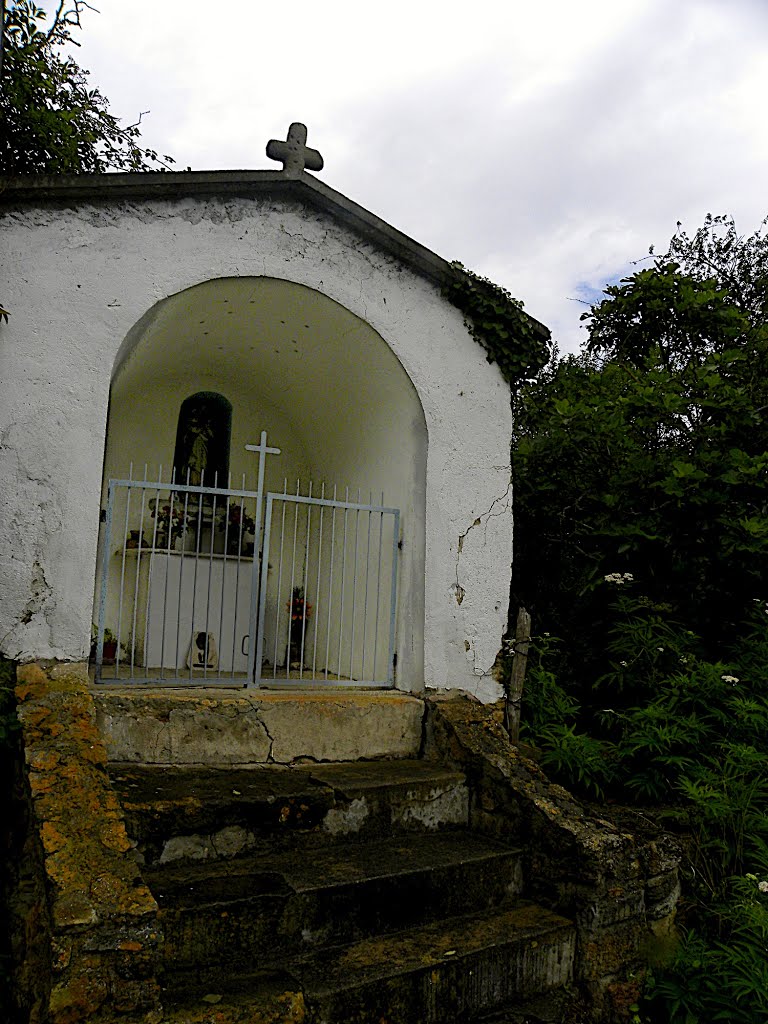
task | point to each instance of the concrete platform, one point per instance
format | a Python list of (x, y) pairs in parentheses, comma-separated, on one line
[(211, 726)]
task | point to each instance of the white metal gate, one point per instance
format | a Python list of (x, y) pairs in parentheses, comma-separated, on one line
[(328, 597), (188, 593)]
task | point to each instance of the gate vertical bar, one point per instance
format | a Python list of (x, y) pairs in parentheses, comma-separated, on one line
[(365, 600), (393, 599), (319, 568), (181, 575), (122, 575), (263, 595), (237, 582), (138, 571), (330, 585), (305, 587), (151, 559), (280, 577), (378, 586), (263, 451), (104, 580), (354, 588), (343, 579)]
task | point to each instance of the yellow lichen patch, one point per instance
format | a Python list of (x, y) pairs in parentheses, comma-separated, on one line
[(77, 999), (31, 681), (73, 674), (53, 839), (73, 908), (41, 784), (43, 760), (62, 954), (35, 716), (90, 873), (84, 732)]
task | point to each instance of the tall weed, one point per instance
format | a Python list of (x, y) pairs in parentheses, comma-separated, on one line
[(690, 736)]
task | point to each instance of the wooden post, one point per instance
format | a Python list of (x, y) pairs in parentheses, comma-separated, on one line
[(515, 691)]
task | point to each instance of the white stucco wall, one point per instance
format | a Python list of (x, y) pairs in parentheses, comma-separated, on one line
[(77, 281)]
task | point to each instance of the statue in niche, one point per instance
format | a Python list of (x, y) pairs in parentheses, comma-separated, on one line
[(202, 440)]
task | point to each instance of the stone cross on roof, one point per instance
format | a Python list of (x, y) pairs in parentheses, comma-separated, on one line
[(293, 153)]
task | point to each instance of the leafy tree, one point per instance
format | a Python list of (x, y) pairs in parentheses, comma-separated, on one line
[(648, 453), (641, 491), (51, 120)]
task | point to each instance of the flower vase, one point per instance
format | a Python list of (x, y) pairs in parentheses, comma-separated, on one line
[(293, 655)]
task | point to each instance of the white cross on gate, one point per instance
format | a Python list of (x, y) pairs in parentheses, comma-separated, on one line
[(263, 451), (294, 153)]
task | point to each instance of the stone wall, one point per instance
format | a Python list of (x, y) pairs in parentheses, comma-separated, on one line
[(83, 921), (612, 872)]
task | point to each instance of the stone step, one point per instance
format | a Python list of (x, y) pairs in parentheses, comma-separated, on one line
[(261, 997), (551, 1008), (206, 813), (232, 914), (214, 726), (448, 971)]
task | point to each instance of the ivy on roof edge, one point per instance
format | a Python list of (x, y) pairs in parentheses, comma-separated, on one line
[(514, 341)]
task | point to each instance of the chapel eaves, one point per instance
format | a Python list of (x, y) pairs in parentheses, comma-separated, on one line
[(110, 188)]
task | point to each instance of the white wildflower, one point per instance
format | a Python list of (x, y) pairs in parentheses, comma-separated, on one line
[(660, 649), (762, 886), (730, 679), (624, 664), (619, 578)]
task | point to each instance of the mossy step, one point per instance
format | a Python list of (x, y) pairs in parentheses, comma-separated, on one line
[(442, 971), (446, 971), (266, 998), (227, 913), (556, 1007), (202, 813)]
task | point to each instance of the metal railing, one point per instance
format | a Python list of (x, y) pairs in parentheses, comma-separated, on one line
[(183, 599)]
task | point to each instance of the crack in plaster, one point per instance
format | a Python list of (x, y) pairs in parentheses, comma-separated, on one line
[(490, 514), (459, 591)]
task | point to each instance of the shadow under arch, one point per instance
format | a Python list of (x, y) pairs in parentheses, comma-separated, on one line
[(326, 386)]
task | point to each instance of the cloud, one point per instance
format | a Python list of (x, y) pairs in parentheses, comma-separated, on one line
[(545, 145)]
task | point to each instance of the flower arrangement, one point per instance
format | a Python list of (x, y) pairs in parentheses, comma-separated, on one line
[(235, 515), (170, 517)]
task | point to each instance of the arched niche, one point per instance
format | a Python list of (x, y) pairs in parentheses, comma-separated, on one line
[(203, 434), (320, 380)]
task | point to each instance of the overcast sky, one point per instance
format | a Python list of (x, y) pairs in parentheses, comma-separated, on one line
[(545, 143)]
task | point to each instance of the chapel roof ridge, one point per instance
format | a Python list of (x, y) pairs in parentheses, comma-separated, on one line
[(116, 186)]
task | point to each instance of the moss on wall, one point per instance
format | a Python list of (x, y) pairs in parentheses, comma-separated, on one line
[(84, 929)]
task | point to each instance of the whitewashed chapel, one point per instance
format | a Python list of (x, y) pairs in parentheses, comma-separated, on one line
[(244, 438)]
